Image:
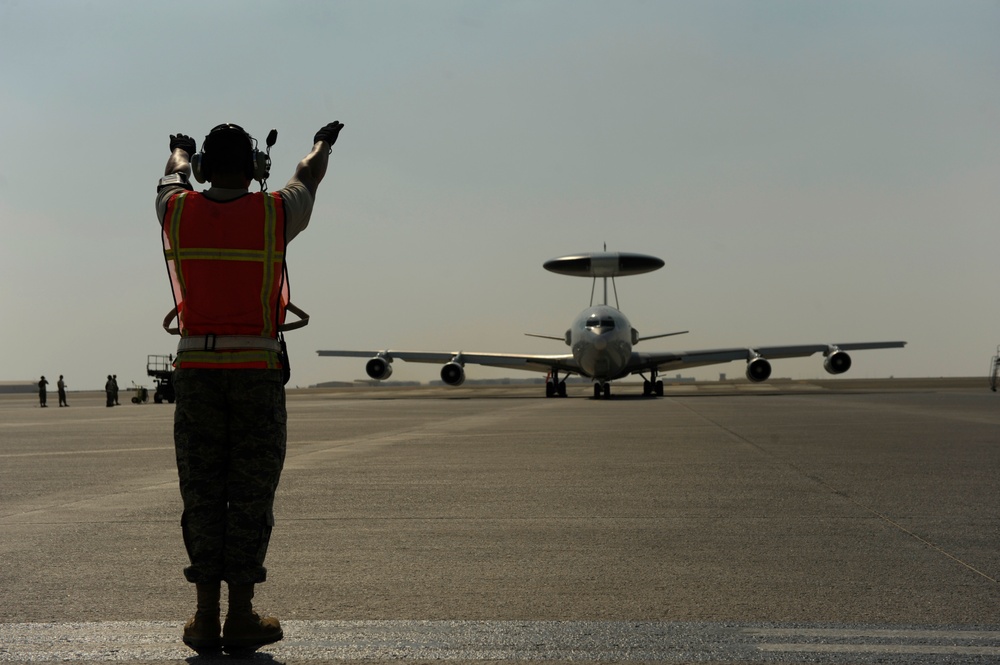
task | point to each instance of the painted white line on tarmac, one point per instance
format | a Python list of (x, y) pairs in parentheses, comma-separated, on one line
[(593, 641), (879, 633), (894, 649)]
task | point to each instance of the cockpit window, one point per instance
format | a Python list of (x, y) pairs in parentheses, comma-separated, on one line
[(601, 322)]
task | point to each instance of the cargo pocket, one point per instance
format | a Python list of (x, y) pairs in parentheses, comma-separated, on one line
[(264, 538)]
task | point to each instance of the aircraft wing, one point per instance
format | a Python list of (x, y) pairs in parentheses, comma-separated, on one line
[(681, 359), (532, 363)]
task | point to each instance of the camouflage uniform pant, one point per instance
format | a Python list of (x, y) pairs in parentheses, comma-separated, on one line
[(230, 428)]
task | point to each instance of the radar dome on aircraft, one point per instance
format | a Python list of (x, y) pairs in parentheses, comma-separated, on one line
[(603, 264)]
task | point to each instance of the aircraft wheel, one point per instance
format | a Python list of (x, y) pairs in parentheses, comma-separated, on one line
[(561, 389), (550, 389), (607, 390), (647, 388), (597, 391), (659, 388)]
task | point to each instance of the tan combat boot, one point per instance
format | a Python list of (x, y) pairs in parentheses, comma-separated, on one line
[(244, 629), (202, 631)]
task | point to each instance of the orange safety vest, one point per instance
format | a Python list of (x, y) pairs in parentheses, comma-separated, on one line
[(226, 262)]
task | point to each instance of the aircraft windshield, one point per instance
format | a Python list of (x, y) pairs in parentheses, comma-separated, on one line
[(605, 322)]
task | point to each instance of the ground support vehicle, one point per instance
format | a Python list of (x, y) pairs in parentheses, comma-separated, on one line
[(141, 394), (161, 368)]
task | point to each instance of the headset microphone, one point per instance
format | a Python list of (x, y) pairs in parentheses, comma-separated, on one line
[(272, 138)]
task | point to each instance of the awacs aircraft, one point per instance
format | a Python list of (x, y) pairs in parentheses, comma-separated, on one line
[(602, 341)]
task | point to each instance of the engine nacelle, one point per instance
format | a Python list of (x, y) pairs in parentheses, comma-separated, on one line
[(453, 374), (379, 368), (758, 370), (837, 362)]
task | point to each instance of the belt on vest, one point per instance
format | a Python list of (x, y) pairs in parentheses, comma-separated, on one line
[(227, 343)]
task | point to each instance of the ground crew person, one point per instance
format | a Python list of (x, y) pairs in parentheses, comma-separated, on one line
[(109, 391), (61, 386), (225, 250), (43, 392)]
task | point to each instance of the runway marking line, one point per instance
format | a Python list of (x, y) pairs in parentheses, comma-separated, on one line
[(594, 641)]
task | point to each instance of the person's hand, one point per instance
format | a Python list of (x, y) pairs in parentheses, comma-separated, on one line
[(329, 133), (184, 142)]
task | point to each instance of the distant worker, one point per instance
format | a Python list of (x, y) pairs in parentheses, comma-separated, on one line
[(114, 388), (61, 385), (109, 391), (225, 252), (42, 392)]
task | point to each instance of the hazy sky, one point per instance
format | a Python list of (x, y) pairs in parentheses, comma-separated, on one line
[(809, 171)]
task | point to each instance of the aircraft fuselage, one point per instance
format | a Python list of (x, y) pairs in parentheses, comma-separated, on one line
[(601, 340)]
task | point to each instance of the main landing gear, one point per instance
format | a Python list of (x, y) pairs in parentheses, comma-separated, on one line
[(553, 386), (651, 388), (603, 389)]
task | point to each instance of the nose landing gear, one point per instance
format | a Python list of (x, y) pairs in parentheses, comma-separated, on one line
[(602, 389)]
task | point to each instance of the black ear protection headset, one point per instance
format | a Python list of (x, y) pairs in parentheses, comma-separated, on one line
[(257, 167)]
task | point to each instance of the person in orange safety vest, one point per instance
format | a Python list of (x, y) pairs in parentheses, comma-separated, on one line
[(225, 253)]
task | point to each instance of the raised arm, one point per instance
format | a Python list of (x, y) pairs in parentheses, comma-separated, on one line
[(177, 174), (181, 149), (312, 168)]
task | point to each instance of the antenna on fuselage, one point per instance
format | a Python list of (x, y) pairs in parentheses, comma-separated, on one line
[(603, 265)]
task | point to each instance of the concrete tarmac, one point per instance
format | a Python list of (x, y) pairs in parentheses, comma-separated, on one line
[(787, 522)]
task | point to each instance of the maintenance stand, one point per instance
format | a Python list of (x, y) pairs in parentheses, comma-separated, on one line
[(161, 368)]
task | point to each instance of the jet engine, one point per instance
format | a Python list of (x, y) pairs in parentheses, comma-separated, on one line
[(453, 374), (837, 362), (758, 370), (379, 368)]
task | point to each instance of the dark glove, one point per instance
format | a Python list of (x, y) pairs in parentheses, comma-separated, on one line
[(184, 142), (329, 133)]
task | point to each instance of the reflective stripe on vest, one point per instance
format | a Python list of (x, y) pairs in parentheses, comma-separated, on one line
[(226, 265)]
